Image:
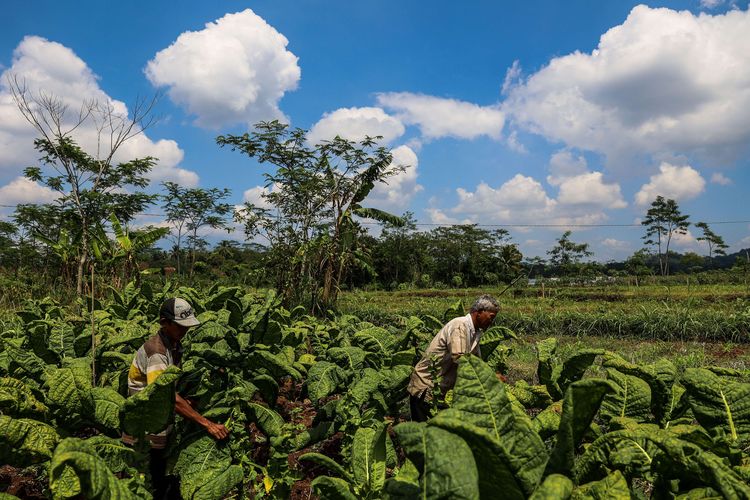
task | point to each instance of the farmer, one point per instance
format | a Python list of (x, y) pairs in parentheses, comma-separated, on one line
[(157, 353), (458, 337)]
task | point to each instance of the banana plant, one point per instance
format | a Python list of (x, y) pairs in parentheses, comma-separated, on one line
[(130, 243)]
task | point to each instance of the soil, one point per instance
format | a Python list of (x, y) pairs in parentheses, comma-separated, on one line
[(23, 483)]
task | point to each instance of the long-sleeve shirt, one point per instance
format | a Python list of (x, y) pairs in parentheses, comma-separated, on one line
[(456, 338)]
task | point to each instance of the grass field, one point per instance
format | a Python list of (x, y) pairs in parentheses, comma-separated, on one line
[(691, 325)]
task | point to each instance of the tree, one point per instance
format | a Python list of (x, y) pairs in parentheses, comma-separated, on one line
[(567, 254), (716, 245), (90, 184), (314, 195), (191, 209), (663, 220)]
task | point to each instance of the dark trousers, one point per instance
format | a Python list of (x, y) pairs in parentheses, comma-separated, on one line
[(419, 409), (163, 487)]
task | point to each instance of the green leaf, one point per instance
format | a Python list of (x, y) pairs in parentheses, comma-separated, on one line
[(95, 479), (322, 379), (69, 395), (445, 461), (572, 369), (205, 470), (554, 487), (351, 358), (268, 420), (480, 400), (327, 462), (368, 458), (405, 483), (614, 486), (332, 488), (581, 403), (24, 441), (545, 351), (631, 397), (152, 409), (719, 402), (376, 340), (16, 399), (107, 405)]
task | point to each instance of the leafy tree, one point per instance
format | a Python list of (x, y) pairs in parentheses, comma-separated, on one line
[(191, 209), (315, 193), (91, 185), (566, 254), (663, 220), (716, 245)]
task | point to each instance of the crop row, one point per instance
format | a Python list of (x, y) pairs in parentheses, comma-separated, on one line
[(321, 403)]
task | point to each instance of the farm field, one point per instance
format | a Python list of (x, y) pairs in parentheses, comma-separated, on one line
[(317, 407)]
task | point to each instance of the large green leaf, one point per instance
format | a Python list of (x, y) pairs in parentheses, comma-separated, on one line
[(631, 397), (572, 369), (376, 340), (152, 409), (95, 481), (501, 437), (554, 487), (268, 420), (205, 470), (278, 366), (368, 458), (404, 483), (545, 351), (69, 395), (581, 403), (613, 487), (445, 461), (350, 358), (322, 379), (24, 441), (17, 399), (719, 402), (107, 405), (332, 488), (660, 378), (651, 450)]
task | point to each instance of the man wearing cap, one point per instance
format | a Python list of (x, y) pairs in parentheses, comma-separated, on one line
[(458, 337), (158, 353)]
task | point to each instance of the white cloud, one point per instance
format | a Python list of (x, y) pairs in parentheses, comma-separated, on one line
[(255, 195), (53, 69), (563, 164), (514, 144), (396, 195), (615, 244), (711, 4), (685, 241), (234, 71), (512, 77), (590, 189), (356, 123), (22, 190), (663, 83), (678, 183), (720, 179), (439, 117)]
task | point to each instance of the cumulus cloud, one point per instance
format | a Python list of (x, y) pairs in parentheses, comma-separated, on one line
[(663, 83), (672, 181), (711, 4), (255, 195), (22, 190), (356, 123), (590, 189), (615, 244), (53, 69), (439, 117), (397, 194), (720, 179), (563, 164), (235, 70)]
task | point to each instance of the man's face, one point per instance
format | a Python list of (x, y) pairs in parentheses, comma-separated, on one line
[(485, 319), (175, 331)]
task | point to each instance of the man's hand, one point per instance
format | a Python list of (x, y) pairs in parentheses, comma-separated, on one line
[(217, 431)]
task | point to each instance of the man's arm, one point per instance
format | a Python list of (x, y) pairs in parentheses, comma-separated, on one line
[(183, 408), (459, 342)]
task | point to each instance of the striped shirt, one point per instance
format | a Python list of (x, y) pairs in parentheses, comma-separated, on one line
[(155, 355), (456, 338)]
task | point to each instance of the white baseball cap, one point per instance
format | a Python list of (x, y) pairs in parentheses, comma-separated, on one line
[(179, 311)]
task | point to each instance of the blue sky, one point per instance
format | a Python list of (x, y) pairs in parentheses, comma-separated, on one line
[(518, 114)]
